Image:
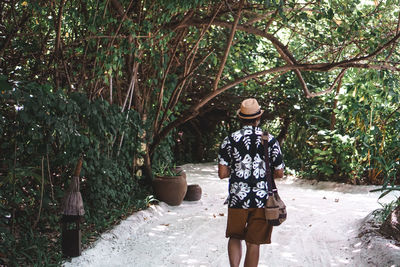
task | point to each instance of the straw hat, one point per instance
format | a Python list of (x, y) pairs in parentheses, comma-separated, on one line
[(249, 109)]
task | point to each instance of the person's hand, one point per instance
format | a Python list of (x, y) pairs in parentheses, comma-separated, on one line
[(223, 171), (278, 173)]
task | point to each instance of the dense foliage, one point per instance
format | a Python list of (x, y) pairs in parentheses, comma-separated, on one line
[(43, 135), (362, 146), (134, 85)]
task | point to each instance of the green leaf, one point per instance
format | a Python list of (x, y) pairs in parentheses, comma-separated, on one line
[(330, 14), (4, 84)]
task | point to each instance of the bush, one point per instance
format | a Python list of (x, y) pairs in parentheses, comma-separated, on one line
[(43, 135)]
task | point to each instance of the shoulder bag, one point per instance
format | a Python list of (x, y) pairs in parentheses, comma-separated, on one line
[(275, 209)]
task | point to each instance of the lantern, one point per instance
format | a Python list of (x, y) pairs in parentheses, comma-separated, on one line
[(72, 216)]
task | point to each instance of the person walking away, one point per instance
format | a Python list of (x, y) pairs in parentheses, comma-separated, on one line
[(241, 159)]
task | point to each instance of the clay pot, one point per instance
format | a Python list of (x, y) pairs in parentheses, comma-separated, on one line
[(170, 189), (193, 192), (179, 170)]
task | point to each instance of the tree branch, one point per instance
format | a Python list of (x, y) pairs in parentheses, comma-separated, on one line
[(194, 110), (175, 94), (188, 69), (286, 55), (118, 7), (25, 16), (161, 95), (390, 115), (338, 79), (228, 46), (333, 115), (394, 44), (57, 48), (204, 30)]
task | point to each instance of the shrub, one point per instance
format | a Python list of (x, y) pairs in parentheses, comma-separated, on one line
[(43, 133)]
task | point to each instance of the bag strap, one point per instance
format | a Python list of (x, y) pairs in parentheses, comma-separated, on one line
[(270, 180), (231, 143)]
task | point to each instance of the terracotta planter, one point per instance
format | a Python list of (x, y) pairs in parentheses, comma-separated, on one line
[(170, 189), (179, 170)]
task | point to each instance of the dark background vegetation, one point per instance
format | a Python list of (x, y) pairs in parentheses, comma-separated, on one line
[(132, 86)]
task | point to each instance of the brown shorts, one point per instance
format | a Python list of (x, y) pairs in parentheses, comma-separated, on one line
[(249, 225)]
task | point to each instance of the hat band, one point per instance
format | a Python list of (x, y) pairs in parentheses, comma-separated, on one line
[(250, 115)]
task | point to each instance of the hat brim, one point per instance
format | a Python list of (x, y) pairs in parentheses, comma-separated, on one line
[(249, 117)]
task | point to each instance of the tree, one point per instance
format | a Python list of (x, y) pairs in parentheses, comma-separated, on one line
[(172, 60)]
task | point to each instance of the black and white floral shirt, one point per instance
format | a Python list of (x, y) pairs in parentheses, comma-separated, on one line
[(243, 152)]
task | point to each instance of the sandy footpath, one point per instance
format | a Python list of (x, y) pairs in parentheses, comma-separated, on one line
[(321, 230)]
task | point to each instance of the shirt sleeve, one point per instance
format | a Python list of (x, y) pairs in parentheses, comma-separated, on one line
[(224, 154), (276, 155)]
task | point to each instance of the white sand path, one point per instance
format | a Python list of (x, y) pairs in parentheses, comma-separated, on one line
[(321, 229)]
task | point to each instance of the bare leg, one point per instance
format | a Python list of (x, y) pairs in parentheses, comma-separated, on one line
[(234, 251), (252, 255)]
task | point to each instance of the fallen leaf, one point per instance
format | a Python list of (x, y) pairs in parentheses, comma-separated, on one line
[(221, 214)]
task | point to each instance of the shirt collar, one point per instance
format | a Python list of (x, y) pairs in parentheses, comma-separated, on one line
[(253, 128)]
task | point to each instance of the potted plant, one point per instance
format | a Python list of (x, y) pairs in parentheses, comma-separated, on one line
[(169, 184)]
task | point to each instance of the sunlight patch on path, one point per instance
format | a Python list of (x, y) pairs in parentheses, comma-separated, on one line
[(321, 229)]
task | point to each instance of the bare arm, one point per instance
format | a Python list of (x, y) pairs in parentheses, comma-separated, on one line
[(223, 171), (278, 173)]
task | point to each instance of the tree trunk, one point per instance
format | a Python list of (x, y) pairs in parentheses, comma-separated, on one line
[(10, 36), (284, 130), (335, 101), (148, 174)]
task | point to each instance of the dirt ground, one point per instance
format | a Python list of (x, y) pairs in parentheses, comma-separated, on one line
[(322, 229)]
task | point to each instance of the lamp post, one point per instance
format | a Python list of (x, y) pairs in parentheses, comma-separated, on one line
[(72, 216)]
